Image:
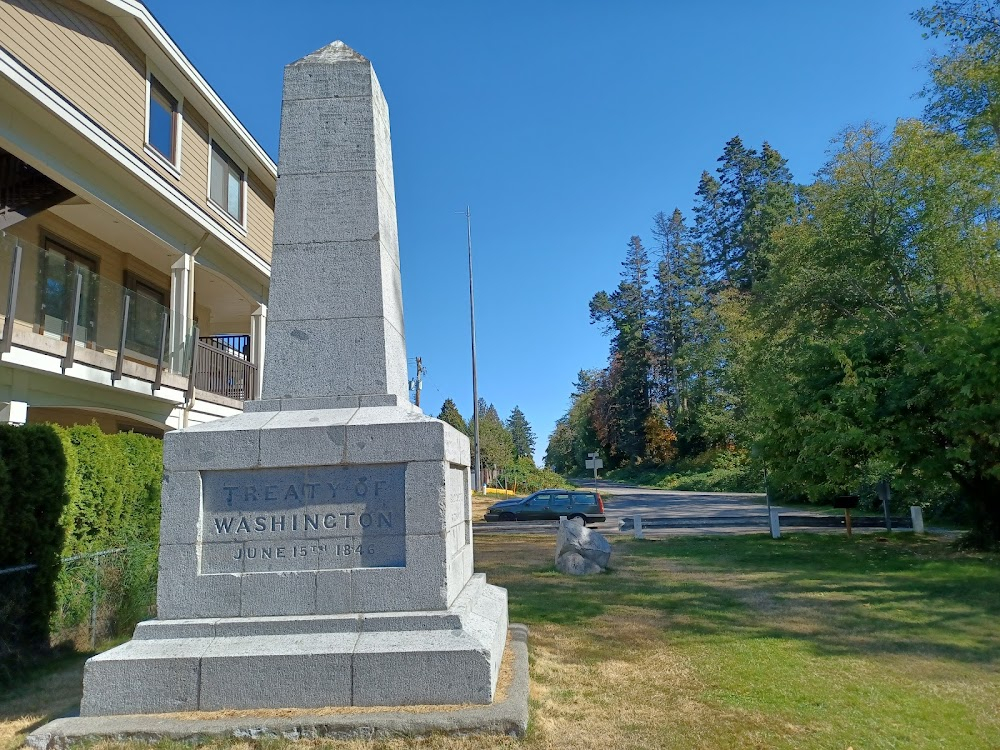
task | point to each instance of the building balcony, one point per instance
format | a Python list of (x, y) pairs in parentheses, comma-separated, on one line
[(59, 315)]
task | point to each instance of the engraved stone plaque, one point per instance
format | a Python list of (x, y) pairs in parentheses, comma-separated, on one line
[(308, 518)]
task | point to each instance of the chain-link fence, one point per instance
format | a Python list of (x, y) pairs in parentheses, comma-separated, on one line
[(99, 596)]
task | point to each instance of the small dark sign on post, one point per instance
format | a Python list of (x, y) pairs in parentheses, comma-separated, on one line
[(846, 502)]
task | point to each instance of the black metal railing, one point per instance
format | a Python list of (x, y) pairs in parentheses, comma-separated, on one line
[(237, 345), (222, 366)]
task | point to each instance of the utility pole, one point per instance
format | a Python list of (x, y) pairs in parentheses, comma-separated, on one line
[(419, 380), (477, 482)]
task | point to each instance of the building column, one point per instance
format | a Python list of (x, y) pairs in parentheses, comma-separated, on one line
[(181, 310), (13, 412), (258, 325)]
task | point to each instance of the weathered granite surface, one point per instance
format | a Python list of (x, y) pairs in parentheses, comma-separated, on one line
[(316, 550), (579, 550), (507, 716)]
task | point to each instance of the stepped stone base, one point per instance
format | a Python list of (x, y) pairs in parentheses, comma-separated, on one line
[(387, 659)]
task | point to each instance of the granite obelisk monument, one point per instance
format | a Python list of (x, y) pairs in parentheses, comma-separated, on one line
[(316, 550)]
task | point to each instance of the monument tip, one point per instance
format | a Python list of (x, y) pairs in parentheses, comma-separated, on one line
[(334, 52)]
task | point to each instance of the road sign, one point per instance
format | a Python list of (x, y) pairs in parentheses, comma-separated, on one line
[(594, 463)]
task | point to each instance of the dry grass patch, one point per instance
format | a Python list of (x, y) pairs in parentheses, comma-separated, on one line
[(739, 642)]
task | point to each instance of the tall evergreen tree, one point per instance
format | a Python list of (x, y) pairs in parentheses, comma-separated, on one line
[(625, 315), (667, 319), (451, 415), (496, 447), (521, 433), (755, 195)]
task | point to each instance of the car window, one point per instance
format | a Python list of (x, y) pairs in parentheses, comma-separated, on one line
[(560, 500), (583, 498), (539, 500)]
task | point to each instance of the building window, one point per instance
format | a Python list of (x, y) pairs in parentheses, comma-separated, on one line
[(226, 189), (58, 270), (145, 315), (163, 110)]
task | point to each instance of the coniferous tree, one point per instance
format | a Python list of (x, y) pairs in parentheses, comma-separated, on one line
[(451, 415), (625, 315), (496, 447), (521, 433)]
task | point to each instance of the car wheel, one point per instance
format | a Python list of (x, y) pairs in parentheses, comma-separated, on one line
[(581, 517), (508, 517)]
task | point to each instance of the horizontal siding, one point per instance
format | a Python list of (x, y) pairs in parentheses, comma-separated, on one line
[(88, 62), (88, 59), (194, 157), (260, 218)]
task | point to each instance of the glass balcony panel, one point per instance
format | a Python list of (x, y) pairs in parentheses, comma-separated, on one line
[(6, 262), (46, 298), (145, 326)]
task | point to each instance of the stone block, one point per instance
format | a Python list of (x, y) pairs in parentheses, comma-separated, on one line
[(320, 402), (173, 629), (459, 572), (388, 231), (166, 670), (421, 585), (425, 497), (383, 145), (305, 438), (430, 668), (217, 556), (377, 622), (181, 593), (347, 279), (384, 435), (341, 207), (395, 361), (284, 593), (333, 592), (383, 399), (458, 495), (487, 624), (340, 132), (306, 358), (267, 404), (239, 627), (457, 448), (180, 503), (301, 671), (455, 539), (392, 295), (470, 594), (230, 443), (317, 80)]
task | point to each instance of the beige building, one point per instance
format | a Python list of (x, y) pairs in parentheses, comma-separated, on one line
[(136, 215)]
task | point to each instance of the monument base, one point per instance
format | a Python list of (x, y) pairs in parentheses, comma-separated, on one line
[(386, 659)]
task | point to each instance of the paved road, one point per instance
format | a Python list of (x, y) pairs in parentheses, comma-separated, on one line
[(621, 501)]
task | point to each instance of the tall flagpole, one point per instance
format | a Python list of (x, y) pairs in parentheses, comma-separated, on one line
[(477, 483)]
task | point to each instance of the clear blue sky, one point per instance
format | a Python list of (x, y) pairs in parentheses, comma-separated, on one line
[(565, 126)]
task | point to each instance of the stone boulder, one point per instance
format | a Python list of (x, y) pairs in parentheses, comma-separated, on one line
[(579, 550)]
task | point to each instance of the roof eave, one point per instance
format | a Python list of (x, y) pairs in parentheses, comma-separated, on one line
[(137, 12)]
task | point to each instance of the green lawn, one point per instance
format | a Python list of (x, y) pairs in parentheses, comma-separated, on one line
[(811, 641)]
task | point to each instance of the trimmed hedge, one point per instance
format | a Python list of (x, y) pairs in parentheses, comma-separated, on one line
[(66, 492), (32, 499)]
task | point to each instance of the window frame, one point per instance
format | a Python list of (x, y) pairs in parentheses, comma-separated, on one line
[(238, 223), (132, 282), (81, 257), (172, 165)]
